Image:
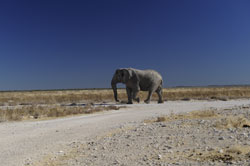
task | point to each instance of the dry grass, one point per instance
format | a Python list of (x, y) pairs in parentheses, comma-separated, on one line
[(197, 93), (28, 101), (51, 97), (39, 112), (228, 154), (232, 122), (217, 93), (222, 122), (190, 115), (69, 96)]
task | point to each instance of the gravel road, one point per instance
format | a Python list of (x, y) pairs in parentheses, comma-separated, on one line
[(31, 142)]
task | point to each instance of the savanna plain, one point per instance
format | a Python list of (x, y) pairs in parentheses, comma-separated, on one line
[(194, 126)]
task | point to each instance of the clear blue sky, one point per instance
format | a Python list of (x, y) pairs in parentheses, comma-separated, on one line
[(79, 44)]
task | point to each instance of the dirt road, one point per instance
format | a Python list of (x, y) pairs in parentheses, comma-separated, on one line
[(29, 142)]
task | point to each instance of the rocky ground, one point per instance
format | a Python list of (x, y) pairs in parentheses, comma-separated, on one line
[(209, 137)]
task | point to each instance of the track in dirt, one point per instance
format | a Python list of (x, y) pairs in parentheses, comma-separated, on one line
[(25, 141)]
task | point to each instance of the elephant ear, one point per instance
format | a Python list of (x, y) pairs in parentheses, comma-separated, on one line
[(117, 71), (130, 73), (133, 75)]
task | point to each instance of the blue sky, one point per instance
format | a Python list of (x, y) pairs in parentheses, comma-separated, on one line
[(79, 44)]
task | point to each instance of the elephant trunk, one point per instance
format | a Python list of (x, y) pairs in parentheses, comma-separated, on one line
[(113, 84)]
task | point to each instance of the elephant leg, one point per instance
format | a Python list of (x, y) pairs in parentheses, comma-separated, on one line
[(135, 92), (150, 92), (129, 93), (159, 92)]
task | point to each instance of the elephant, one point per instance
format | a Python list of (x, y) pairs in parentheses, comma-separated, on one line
[(136, 80)]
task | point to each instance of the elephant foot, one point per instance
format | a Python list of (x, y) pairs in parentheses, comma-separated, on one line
[(130, 102), (160, 102), (138, 100), (147, 101)]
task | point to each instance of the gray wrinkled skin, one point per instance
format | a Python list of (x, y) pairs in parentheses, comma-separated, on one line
[(136, 80)]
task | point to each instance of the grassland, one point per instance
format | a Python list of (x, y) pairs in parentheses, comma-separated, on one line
[(106, 95), (36, 104)]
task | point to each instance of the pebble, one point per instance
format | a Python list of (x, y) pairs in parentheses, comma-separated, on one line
[(163, 125), (168, 147), (116, 162), (202, 122), (159, 157), (170, 151), (145, 158), (245, 134), (221, 138)]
